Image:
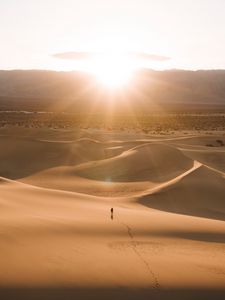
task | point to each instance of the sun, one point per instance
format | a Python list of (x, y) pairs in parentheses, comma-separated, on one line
[(112, 70), (112, 77)]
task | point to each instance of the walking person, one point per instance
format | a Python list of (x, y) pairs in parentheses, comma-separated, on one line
[(112, 213)]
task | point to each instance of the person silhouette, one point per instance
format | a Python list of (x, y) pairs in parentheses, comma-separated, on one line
[(111, 213)]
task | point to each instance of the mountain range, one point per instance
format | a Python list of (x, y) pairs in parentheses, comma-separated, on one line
[(39, 90)]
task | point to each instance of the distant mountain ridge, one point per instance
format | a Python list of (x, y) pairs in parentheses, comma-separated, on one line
[(73, 91)]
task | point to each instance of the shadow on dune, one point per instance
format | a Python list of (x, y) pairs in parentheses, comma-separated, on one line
[(144, 234), (213, 159), (185, 235), (155, 162), (200, 193), (24, 157), (90, 159), (63, 293), (21, 157)]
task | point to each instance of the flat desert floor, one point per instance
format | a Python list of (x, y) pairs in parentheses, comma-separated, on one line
[(58, 239)]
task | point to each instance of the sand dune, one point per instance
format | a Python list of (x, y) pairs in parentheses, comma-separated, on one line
[(129, 173), (200, 193), (213, 159), (141, 163), (20, 157), (57, 238)]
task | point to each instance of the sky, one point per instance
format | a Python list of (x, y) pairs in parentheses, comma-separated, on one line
[(191, 34)]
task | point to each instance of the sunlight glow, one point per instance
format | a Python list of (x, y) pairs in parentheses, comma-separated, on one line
[(112, 70)]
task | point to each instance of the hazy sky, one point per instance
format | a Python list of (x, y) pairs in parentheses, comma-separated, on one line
[(191, 33)]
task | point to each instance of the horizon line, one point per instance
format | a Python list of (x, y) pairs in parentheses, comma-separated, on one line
[(139, 69)]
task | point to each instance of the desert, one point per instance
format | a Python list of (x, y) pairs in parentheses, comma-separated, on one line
[(58, 239), (112, 150)]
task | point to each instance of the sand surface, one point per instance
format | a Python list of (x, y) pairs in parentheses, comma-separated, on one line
[(166, 239)]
